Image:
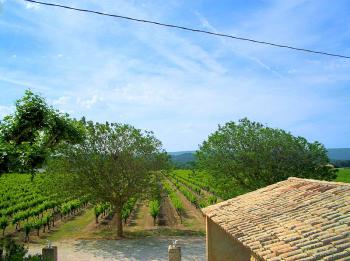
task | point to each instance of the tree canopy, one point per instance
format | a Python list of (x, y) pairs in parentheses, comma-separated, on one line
[(250, 155), (32, 132), (113, 164)]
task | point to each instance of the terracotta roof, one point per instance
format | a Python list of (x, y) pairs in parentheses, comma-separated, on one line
[(296, 219)]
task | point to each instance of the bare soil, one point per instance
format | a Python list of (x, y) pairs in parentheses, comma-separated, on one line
[(141, 219), (168, 215), (193, 217)]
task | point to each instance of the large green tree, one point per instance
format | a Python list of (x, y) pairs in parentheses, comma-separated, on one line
[(249, 155), (113, 164), (33, 132)]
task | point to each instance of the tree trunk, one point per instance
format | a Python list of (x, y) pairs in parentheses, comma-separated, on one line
[(119, 222)]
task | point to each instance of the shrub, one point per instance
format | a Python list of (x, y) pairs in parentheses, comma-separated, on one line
[(3, 224), (154, 208)]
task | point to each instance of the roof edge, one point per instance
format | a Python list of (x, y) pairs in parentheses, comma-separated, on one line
[(319, 181), (325, 182)]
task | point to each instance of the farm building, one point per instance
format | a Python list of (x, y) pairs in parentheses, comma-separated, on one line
[(296, 219)]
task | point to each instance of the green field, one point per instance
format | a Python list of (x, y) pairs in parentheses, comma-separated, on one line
[(343, 175)]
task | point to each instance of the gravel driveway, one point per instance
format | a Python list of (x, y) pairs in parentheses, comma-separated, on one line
[(154, 248)]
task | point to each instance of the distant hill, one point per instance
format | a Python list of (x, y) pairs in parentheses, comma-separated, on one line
[(339, 154), (176, 153), (182, 158)]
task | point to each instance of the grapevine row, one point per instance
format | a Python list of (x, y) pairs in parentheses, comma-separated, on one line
[(197, 200), (24, 201), (192, 181), (175, 200)]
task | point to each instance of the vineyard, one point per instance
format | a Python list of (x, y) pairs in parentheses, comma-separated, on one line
[(27, 207), (186, 194), (195, 186)]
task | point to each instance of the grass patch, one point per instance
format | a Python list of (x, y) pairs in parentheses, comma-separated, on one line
[(105, 232), (343, 175), (72, 228), (190, 223), (163, 232)]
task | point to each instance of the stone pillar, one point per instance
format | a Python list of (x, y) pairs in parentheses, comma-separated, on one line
[(50, 253), (174, 253)]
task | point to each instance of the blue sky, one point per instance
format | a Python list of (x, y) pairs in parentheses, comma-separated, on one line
[(178, 84)]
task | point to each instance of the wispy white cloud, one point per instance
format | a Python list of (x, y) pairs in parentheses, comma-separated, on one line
[(179, 85), (6, 110), (228, 44), (62, 101), (31, 5), (21, 83)]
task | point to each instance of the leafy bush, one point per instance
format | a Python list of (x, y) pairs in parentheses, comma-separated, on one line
[(27, 228), (3, 224), (127, 208), (37, 225), (154, 209), (10, 251)]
